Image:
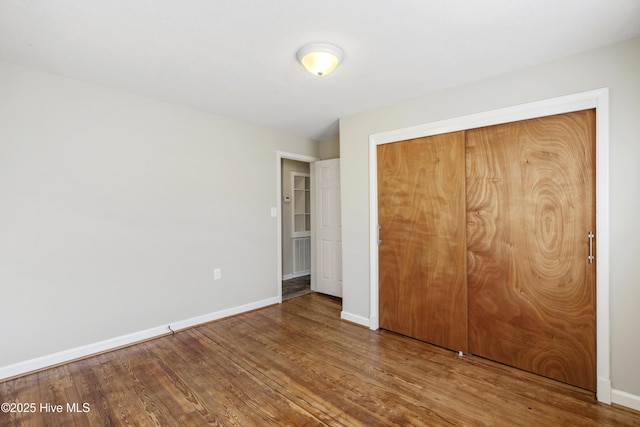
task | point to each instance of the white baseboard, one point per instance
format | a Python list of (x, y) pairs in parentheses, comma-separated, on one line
[(287, 277), (373, 323), (354, 318), (623, 398), (604, 391), (65, 356)]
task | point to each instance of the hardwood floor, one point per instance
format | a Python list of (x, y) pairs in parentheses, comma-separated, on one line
[(297, 364), (296, 287)]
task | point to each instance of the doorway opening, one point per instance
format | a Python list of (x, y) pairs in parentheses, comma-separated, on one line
[(309, 226), (296, 228), (295, 225)]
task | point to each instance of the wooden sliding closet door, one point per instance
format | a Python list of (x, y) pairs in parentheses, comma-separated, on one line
[(530, 208), (422, 254)]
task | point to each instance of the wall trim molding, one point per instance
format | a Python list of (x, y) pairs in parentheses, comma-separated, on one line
[(66, 356), (623, 398), (354, 318), (598, 99)]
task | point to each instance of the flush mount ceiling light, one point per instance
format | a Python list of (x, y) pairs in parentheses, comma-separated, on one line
[(320, 58)]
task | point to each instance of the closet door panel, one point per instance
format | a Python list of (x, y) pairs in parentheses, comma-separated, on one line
[(530, 206), (422, 255)]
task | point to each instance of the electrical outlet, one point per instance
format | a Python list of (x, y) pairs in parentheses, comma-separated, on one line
[(217, 274)]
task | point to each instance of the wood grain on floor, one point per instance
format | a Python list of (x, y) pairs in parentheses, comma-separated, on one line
[(297, 364)]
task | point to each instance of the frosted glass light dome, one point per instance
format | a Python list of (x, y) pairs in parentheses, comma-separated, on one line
[(320, 58)]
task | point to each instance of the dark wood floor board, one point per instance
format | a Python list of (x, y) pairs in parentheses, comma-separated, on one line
[(108, 396), (375, 369), (207, 386), (296, 287), (532, 391), (317, 367), (280, 372), (228, 384), (157, 380), (345, 376), (121, 390), (384, 391), (298, 364)]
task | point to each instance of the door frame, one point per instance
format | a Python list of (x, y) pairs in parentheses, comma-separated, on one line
[(301, 158), (598, 99)]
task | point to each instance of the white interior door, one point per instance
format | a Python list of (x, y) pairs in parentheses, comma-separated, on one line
[(328, 232)]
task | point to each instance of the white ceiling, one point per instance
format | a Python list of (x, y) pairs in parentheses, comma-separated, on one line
[(237, 58)]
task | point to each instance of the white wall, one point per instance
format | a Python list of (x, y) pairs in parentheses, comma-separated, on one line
[(115, 209), (617, 67), (329, 149)]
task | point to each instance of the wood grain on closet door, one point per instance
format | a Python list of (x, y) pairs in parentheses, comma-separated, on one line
[(422, 255), (530, 207)]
